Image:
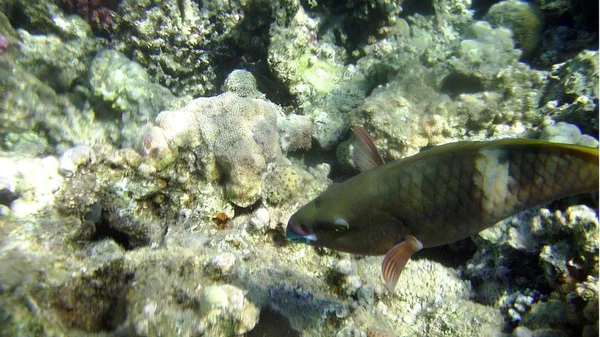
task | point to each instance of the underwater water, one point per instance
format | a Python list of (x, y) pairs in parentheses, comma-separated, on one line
[(153, 153)]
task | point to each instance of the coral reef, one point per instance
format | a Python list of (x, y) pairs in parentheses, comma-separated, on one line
[(129, 208), (563, 246), (97, 11), (562, 132), (184, 44), (523, 18), (62, 62), (572, 92), (242, 83), (127, 91), (238, 151)]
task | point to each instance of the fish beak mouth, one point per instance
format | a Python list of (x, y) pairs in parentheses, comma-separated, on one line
[(296, 233)]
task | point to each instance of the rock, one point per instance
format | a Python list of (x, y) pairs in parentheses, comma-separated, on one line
[(78, 156), (222, 265), (127, 89), (344, 267), (226, 311), (522, 332), (260, 220)]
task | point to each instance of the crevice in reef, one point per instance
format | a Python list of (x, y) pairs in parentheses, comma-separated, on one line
[(272, 323), (457, 83), (104, 231)]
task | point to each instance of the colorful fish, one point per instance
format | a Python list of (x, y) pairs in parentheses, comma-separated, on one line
[(441, 195)]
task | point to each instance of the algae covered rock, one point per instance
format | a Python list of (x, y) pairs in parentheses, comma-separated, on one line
[(398, 129), (225, 306), (282, 183), (36, 106), (316, 73), (500, 94), (73, 158), (44, 16), (126, 88), (35, 113), (296, 132), (61, 62)]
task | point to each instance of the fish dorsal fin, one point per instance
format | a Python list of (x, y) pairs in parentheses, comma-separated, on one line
[(366, 155), (396, 258)]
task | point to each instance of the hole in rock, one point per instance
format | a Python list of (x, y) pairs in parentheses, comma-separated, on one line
[(457, 83), (272, 323)]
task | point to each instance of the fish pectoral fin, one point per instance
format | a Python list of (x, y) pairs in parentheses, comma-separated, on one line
[(396, 258), (366, 155)]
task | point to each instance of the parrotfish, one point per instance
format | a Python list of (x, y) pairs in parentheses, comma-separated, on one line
[(438, 196)]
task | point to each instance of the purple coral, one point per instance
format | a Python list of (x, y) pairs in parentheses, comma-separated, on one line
[(99, 12), (3, 43)]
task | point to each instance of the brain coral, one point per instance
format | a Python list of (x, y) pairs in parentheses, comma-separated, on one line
[(233, 137), (523, 18)]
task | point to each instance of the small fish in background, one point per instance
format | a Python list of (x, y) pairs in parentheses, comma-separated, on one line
[(441, 195)]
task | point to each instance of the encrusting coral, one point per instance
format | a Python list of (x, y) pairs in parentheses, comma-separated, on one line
[(234, 137)]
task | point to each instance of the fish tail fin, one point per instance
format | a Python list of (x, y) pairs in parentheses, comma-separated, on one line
[(396, 258)]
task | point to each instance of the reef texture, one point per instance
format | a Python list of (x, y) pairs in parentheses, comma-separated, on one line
[(125, 89), (181, 42), (131, 206), (237, 136)]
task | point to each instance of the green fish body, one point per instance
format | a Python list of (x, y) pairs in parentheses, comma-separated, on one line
[(440, 196)]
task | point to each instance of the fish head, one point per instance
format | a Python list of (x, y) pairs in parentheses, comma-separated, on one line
[(340, 223)]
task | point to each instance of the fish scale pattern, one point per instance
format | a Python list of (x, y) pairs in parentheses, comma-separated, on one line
[(450, 197), (545, 176), (439, 194)]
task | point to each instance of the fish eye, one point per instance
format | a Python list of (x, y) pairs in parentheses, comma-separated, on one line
[(340, 225)]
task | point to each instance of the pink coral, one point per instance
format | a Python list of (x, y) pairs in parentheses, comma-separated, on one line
[(99, 12), (3, 43)]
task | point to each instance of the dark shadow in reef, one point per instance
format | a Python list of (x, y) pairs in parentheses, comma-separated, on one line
[(289, 306), (452, 255), (272, 323)]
